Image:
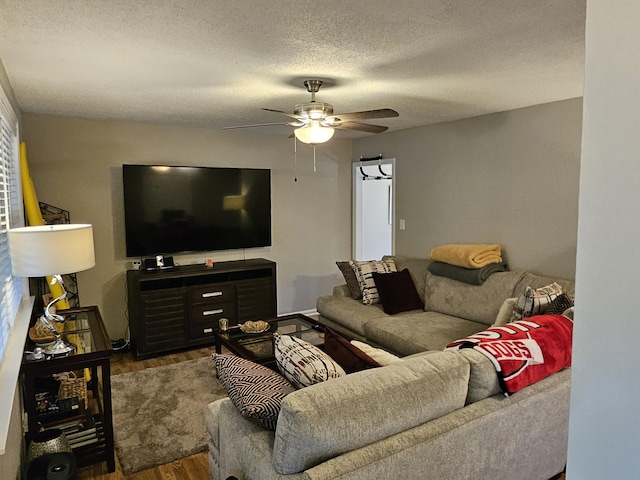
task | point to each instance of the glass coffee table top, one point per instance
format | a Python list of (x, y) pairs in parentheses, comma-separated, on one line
[(259, 346)]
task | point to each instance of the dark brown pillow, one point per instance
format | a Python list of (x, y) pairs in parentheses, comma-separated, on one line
[(349, 357), (397, 292), (350, 277)]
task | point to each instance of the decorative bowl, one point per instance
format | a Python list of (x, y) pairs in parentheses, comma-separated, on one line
[(254, 327)]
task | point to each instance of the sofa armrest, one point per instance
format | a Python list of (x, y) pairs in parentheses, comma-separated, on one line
[(341, 291)]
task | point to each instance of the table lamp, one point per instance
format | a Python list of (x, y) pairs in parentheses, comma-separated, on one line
[(52, 250)]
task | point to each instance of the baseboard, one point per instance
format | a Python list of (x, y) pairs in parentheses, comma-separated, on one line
[(308, 313)]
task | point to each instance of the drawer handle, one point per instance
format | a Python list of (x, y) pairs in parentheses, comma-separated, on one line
[(211, 294), (213, 312), (207, 330)]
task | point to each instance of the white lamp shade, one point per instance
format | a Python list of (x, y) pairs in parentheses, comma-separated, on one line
[(51, 249), (314, 133)]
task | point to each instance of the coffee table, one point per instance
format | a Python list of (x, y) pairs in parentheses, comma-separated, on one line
[(258, 347)]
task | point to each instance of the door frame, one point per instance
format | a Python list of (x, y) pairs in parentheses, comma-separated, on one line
[(356, 203)]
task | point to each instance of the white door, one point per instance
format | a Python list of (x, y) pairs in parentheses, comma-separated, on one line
[(373, 209)]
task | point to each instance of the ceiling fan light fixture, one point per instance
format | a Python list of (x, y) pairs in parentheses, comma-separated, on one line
[(314, 133)]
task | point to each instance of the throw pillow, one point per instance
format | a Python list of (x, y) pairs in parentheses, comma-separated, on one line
[(382, 357), (535, 302), (397, 292), (350, 279), (255, 390), (364, 273), (569, 312), (348, 356), (505, 313), (560, 304), (302, 363)]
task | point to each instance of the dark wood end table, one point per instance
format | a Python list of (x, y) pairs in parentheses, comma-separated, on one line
[(83, 327)]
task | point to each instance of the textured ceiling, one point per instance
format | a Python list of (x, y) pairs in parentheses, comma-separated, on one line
[(217, 62)]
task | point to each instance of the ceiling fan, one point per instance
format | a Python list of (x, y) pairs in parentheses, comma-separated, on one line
[(315, 122)]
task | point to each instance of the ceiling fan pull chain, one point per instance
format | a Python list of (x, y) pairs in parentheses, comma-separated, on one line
[(295, 159), (314, 159)]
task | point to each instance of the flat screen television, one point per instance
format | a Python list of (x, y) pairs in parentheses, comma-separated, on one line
[(173, 209)]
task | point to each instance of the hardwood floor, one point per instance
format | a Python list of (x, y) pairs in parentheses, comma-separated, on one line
[(195, 467)]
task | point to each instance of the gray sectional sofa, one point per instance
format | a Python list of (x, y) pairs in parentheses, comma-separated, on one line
[(434, 414), (452, 309)]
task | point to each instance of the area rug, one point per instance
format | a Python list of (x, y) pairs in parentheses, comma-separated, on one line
[(158, 413)]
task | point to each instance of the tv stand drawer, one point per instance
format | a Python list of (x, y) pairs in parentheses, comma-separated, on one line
[(213, 293)]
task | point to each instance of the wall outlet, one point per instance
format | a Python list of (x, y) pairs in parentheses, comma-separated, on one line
[(401, 224)]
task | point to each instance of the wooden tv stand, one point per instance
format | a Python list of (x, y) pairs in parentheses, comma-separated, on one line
[(180, 307)]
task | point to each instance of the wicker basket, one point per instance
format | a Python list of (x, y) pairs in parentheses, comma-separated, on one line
[(72, 386)]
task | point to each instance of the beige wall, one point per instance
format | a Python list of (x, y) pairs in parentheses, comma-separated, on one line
[(76, 164), (508, 178)]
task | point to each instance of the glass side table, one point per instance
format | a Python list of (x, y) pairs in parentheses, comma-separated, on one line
[(83, 327)]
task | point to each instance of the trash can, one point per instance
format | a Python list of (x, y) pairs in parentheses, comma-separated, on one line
[(53, 466)]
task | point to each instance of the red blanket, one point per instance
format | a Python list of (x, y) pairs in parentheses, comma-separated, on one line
[(525, 351)]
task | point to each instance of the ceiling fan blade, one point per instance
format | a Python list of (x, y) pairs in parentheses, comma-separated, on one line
[(260, 125), (362, 127), (366, 115), (292, 115)]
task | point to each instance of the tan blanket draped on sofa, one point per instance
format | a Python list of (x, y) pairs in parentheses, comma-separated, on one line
[(475, 255)]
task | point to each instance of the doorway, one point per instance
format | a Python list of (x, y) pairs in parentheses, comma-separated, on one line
[(373, 208)]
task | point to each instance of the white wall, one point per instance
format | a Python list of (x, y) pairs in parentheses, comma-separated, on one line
[(508, 178), (76, 164), (604, 429)]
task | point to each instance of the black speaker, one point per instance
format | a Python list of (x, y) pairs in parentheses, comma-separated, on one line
[(53, 466)]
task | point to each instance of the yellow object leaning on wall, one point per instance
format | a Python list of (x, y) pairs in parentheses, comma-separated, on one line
[(34, 216)]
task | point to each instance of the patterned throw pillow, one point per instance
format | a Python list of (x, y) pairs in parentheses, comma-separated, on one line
[(350, 279), (560, 304), (364, 273), (302, 363), (535, 302), (255, 390)]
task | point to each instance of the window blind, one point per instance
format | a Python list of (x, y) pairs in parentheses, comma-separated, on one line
[(11, 289)]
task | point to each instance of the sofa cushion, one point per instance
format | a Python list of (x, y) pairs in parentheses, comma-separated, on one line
[(397, 292), (406, 334), (478, 303), (255, 390), (350, 279), (348, 312), (483, 378), (535, 301), (328, 419), (348, 356), (505, 313), (382, 357), (303, 364), (364, 273)]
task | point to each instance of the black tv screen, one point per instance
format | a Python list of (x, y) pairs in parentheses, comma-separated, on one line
[(184, 209)]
